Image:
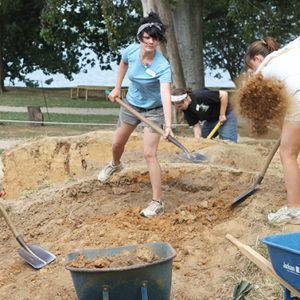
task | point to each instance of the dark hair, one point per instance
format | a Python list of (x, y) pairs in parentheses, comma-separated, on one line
[(181, 91), (263, 47), (153, 31)]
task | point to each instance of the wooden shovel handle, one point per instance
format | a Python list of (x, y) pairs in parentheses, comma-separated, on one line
[(140, 116), (8, 221), (148, 122), (261, 262), (269, 158)]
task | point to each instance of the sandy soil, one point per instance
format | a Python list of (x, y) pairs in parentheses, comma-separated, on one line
[(78, 212)]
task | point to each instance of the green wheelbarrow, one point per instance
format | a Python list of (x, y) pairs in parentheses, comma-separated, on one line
[(138, 282)]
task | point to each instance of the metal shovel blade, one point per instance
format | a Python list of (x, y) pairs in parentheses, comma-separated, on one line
[(193, 157), (36, 256), (246, 194)]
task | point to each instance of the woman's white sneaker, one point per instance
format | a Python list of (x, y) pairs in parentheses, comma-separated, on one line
[(285, 215), (154, 208), (107, 173)]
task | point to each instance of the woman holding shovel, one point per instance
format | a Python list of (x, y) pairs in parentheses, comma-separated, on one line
[(209, 106), (267, 58), (150, 94)]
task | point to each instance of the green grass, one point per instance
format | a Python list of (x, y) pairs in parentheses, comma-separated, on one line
[(54, 97), (66, 118)]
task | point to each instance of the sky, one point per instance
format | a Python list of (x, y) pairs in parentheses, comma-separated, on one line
[(96, 77)]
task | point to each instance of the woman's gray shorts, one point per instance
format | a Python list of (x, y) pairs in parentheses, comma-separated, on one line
[(156, 115)]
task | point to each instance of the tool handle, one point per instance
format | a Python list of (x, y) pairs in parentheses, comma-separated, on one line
[(8, 221), (261, 262), (214, 130), (148, 122), (269, 158)]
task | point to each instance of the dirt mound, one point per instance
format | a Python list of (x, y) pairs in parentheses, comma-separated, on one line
[(75, 211)]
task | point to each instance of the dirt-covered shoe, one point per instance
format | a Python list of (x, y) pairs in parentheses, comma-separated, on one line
[(154, 208), (106, 174), (285, 215)]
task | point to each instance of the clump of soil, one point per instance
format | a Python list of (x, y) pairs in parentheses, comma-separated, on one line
[(263, 101), (141, 255)]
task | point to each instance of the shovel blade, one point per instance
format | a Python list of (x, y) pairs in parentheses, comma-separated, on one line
[(38, 257), (249, 192), (194, 157), (243, 196)]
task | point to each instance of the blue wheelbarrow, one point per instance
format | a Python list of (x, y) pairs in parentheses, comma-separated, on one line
[(285, 255), (284, 251), (138, 282)]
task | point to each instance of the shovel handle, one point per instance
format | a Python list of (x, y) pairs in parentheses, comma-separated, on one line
[(148, 122), (261, 262), (8, 221), (214, 130), (269, 158)]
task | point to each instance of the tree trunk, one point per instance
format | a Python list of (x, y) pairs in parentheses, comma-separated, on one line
[(35, 114), (188, 24), (170, 50)]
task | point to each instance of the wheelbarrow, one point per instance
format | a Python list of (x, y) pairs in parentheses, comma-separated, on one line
[(284, 251), (137, 282)]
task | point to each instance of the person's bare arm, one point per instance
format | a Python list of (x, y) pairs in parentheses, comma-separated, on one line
[(165, 91), (197, 131), (224, 102), (116, 92)]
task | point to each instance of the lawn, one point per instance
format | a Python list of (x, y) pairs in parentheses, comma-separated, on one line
[(52, 97)]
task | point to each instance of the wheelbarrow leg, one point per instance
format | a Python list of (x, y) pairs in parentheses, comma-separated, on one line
[(105, 294), (287, 294), (144, 291)]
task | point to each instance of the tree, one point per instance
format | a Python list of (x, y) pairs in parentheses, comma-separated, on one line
[(230, 26), (187, 16), (57, 35)]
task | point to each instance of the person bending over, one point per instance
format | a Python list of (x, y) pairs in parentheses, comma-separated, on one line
[(210, 106)]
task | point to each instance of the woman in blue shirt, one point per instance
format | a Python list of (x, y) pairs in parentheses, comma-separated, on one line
[(149, 93)]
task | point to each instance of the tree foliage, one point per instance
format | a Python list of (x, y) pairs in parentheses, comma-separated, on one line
[(57, 36), (230, 26)]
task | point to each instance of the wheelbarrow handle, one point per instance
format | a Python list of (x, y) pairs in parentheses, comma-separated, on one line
[(261, 262), (148, 122)]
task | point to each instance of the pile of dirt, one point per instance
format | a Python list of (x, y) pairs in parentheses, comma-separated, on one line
[(75, 212)]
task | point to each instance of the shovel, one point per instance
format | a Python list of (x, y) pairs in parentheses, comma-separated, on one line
[(260, 176), (214, 130), (33, 254), (185, 155)]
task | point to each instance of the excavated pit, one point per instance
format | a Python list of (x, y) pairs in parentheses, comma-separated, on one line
[(54, 199)]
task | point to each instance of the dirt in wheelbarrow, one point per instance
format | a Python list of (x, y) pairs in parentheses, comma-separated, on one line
[(60, 205), (139, 256)]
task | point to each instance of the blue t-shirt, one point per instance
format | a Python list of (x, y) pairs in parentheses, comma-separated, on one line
[(144, 89)]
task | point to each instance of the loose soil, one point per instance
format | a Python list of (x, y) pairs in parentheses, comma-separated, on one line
[(60, 205), (140, 256)]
